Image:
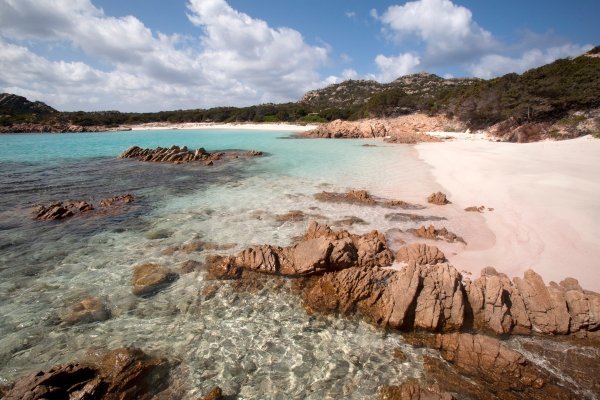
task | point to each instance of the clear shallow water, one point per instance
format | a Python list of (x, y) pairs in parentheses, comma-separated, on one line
[(248, 343)]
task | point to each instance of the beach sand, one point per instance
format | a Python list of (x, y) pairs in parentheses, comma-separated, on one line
[(237, 126), (545, 200)]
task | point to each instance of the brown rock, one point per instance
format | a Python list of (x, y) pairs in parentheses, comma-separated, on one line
[(91, 309), (123, 374), (117, 200), (436, 234), (293, 215), (353, 196), (438, 198), (62, 210), (215, 394), (177, 155), (420, 254), (475, 209), (191, 266), (546, 308), (150, 278)]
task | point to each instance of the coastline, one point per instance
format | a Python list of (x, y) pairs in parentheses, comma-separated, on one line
[(542, 219), (280, 126)]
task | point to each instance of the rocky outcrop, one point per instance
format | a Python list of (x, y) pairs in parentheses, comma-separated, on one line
[(321, 250), (150, 278), (436, 234), (215, 394), (124, 374), (178, 155), (362, 197), (420, 254), (405, 129), (437, 198), (428, 297), (88, 310), (62, 210), (69, 208)]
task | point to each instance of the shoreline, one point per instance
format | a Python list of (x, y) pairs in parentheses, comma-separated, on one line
[(280, 126), (542, 219)]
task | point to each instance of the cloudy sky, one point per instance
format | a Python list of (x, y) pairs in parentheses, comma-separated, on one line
[(150, 55)]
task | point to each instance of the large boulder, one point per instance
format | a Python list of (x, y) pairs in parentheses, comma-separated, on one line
[(438, 198)]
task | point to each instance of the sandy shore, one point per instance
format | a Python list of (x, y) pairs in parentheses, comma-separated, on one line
[(236, 126), (546, 205)]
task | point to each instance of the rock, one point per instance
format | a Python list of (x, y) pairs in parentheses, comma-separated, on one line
[(362, 197), (320, 250), (496, 367), (61, 210), (353, 196), (349, 221), (412, 390), (91, 309), (155, 234), (428, 297), (150, 278), (438, 198), (191, 266), (436, 234), (123, 374), (117, 200), (399, 355), (408, 217), (293, 215), (546, 307), (215, 394), (177, 155), (475, 209), (420, 254)]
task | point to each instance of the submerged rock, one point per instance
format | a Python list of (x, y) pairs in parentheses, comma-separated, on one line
[(438, 198), (412, 390), (91, 309), (150, 278), (215, 394), (362, 197), (178, 155), (124, 374), (117, 200)]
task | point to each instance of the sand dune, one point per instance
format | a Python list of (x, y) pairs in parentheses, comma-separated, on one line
[(546, 200)]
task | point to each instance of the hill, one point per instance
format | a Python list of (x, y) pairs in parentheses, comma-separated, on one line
[(11, 104)]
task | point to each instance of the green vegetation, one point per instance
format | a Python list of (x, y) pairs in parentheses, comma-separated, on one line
[(546, 94), (596, 135)]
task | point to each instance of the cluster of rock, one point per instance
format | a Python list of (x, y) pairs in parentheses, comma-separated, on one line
[(70, 208), (405, 129), (126, 374), (362, 197), (438, 198), (178, 155), (427, 293)]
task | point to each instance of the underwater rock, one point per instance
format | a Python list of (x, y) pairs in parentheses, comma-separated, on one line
[(362, 197), (215, 394), (150, 278), (437, 198), (117, 200), (124, 374), (412, 390), (91, 309)]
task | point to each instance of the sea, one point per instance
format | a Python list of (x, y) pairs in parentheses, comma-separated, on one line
[(252, 343)]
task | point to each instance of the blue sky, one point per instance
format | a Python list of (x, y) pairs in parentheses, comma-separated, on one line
[(151, 55)]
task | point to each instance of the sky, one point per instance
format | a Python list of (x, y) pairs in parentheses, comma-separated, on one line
[(152, 55)]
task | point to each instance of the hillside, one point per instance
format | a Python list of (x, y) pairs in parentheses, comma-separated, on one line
[(558, 100), (352, 93), (11, 104)]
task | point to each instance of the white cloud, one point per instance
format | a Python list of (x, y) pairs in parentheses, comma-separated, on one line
[(346, 59), (373, 13), (237, 60), (391, 68), (350, 14), (448, 31), (492, 65), (349, 74)]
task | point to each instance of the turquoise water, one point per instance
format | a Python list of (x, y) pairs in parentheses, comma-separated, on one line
[(247, 343)]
